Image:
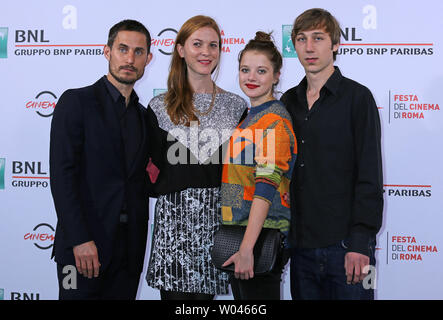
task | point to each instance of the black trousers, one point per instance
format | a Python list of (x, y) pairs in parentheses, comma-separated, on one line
[(261, 287), (113, 283)]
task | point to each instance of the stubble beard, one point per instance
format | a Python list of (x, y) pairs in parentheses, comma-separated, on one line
[(125, 81)]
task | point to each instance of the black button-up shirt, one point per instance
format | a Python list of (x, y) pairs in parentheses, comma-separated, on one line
[(337, 184), (130, 123)]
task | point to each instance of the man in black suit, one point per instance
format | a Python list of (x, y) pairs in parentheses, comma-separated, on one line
[(98, 158)]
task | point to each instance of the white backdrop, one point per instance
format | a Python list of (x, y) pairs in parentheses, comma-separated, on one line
[(392, 47)]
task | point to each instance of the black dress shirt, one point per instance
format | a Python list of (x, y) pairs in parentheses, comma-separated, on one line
[(337, 184), (130, 123)]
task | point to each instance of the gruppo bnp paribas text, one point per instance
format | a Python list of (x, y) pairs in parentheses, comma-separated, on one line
[(35, 43)]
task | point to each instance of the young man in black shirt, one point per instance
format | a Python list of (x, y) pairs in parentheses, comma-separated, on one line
[(337, 189)]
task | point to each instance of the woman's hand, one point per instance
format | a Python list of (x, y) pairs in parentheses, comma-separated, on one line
[(243, 259), (244, 264)]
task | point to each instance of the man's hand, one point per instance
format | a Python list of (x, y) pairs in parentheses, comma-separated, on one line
[(86, 259), (354, 266)]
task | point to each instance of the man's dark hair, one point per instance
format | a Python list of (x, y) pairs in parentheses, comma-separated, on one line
[(128, 25)]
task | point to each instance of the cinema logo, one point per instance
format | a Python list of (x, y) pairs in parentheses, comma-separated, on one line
[(165, 41), (42, 236), (403, 106), (43, 104), (29, 174), (408, 191), (408, 248), (229, 42)]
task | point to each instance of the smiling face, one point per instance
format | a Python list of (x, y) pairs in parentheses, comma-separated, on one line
[(128, 57), (315, 51), (257, 77), (201, 52)]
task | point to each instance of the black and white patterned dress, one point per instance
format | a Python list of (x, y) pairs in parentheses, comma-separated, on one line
[(185, 221)]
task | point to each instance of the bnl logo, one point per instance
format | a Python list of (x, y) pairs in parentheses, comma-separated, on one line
[(20, 296), (2, 173), (3, 42), (288, 49)]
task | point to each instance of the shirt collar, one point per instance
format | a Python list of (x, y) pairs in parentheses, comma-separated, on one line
[(115, 94), (331, 84), (263, 106), (334, 81)]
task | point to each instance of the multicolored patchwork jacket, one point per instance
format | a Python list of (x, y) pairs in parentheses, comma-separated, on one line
[(258, 164)]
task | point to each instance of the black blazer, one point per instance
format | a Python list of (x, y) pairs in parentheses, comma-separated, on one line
[(89, 182)]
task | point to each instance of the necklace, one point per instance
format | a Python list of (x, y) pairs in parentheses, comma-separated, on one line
[(214, 91)]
